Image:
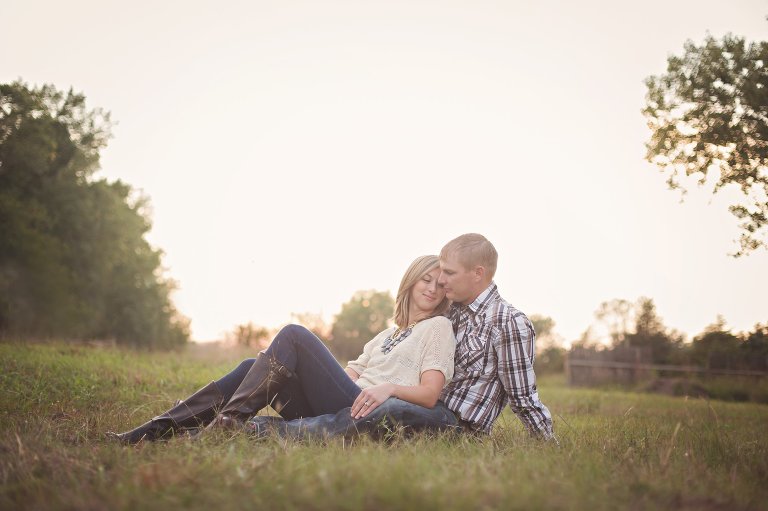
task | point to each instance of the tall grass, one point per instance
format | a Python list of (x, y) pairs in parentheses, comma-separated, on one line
[(617, 449)]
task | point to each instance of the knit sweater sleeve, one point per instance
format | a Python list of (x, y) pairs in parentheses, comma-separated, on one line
[(361, 362), (438, 348)]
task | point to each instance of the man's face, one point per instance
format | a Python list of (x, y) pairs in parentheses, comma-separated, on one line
[(460, 283)]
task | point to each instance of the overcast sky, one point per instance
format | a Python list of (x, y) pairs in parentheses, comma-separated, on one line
[(296, 152)]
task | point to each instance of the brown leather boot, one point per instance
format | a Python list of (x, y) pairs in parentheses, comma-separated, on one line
[(196, 411), (266, 376)]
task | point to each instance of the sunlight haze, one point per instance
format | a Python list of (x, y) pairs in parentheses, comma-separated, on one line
[(296, 152)]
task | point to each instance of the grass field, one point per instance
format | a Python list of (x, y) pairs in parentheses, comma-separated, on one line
[(618, 450)]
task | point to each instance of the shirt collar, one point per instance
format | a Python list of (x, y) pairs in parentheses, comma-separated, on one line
[(483, 298)]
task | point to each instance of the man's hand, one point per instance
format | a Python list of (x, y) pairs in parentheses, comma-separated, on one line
[(369, 399)]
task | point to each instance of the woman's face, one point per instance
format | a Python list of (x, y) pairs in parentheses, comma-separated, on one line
[(426, 294)]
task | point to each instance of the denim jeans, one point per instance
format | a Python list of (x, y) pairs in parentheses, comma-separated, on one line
[(319, 386), (390, 415), (317, 401)]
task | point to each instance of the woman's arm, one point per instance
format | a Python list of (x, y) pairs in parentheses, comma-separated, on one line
[(424, 394), (356, 367)]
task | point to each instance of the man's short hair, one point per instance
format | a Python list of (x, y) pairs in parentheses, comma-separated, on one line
[(472, 250)]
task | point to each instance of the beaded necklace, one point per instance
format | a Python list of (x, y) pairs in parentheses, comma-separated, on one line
[(396, 337)]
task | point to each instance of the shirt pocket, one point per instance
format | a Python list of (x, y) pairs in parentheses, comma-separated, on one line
[(474, 354)]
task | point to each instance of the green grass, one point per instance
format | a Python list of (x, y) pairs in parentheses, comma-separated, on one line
[(618, 450)]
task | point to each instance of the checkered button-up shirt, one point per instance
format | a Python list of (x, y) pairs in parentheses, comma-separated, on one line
[(494, 365)]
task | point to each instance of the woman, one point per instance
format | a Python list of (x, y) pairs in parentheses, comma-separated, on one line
[(299, 377)]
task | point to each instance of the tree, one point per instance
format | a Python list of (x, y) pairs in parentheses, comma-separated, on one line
[(313, 322), (716, 347), (73, 258), (754, 349), (366, 314), (45, 133), (637, 325), (544, 327), (616, 317), (650, 332), (709, 118), (551, 360), (49, 142), (250, 335)]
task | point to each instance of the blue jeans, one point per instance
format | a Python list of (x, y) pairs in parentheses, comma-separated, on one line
[(390, 415), (319, 386), (317, 401)]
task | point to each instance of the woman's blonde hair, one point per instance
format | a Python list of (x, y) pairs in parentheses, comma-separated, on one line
[(418, 268)]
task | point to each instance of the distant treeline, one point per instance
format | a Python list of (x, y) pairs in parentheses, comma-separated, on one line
[(73, 259), (365, 314), (638, 325)]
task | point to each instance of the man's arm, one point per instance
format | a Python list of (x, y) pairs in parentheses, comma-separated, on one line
[(514, 355)]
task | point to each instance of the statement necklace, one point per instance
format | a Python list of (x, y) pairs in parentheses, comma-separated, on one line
[(396, 337)]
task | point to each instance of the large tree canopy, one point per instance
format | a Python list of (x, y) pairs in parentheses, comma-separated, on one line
[(709, 119), (73, 259)]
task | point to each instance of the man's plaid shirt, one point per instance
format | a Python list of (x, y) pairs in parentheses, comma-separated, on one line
[(494, 365)]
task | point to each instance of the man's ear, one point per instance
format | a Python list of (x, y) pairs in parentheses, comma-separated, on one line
[(479, 273)]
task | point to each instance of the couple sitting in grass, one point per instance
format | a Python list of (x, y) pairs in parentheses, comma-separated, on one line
[(457, 355)]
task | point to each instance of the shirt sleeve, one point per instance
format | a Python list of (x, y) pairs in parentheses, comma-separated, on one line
[(515, 354), (358, 365), (438, 348)]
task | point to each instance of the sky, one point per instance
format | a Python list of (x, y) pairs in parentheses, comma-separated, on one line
[(295, 152)]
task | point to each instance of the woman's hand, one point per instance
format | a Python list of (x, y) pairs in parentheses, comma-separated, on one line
[(425, 394), (369, 399)]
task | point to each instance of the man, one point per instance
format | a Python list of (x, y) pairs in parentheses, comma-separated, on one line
[(494, 343), (493, 361)]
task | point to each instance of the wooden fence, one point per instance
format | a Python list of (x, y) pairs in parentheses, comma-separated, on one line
[(627, 366)]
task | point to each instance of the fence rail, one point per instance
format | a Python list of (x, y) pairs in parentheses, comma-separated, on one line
[(664, 367), (633, 365)]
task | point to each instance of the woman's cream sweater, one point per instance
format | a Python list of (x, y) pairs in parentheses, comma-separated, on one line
[(430, 345)]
